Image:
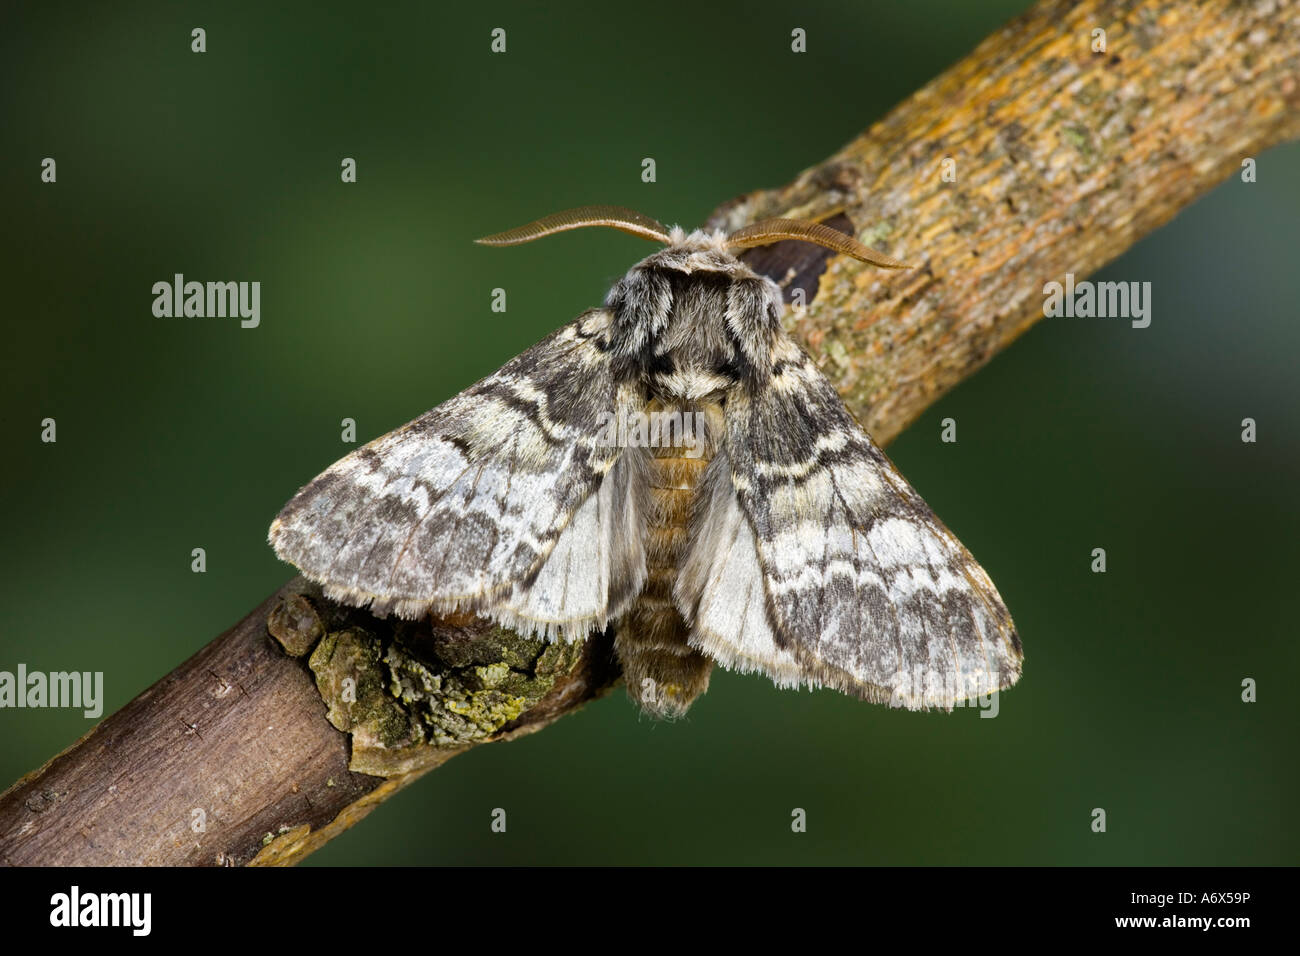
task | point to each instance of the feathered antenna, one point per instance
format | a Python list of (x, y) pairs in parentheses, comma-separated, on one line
[(774, 230), (617, 217)]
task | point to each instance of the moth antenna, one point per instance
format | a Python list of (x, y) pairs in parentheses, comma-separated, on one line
[(617, 217), (774, 230)]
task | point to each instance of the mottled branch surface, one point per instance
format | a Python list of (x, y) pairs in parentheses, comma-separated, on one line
[(1063, 159), (302, 717)]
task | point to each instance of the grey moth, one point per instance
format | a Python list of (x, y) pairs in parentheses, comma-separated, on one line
[(674, 466)]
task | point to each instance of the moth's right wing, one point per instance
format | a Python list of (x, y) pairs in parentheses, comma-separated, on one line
[(813, 561), (507, 500)]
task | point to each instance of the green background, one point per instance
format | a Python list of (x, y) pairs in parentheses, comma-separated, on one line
[(183, 433)]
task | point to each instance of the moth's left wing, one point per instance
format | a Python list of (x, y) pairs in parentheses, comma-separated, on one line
[(505, 501), (814, 562)]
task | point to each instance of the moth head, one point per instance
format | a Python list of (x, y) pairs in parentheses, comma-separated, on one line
[(760, 233)]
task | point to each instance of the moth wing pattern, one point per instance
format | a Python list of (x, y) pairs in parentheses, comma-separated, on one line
[(721, 587), (503, 501), (816, 563)]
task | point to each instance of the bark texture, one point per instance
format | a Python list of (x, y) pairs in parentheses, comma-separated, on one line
[(1063, 158)]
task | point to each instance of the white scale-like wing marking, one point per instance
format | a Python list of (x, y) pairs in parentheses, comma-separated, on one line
[(721, 587), (865, 590)]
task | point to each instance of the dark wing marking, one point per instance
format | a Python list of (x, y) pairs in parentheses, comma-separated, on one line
[(864, 589)]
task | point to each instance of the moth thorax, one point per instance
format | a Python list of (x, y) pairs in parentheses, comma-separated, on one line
[(663, 673), (694, 322)]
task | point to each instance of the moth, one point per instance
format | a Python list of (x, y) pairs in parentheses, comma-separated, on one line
[(775, 537)]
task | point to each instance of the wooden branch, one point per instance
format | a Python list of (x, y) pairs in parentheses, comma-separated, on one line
[(1063, 159), (235, 758), (253, 751)]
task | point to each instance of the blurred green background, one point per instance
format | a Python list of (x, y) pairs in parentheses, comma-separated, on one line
[(183, 433)]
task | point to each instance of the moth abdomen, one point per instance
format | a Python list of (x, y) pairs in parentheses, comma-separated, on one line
[(664, 673)]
